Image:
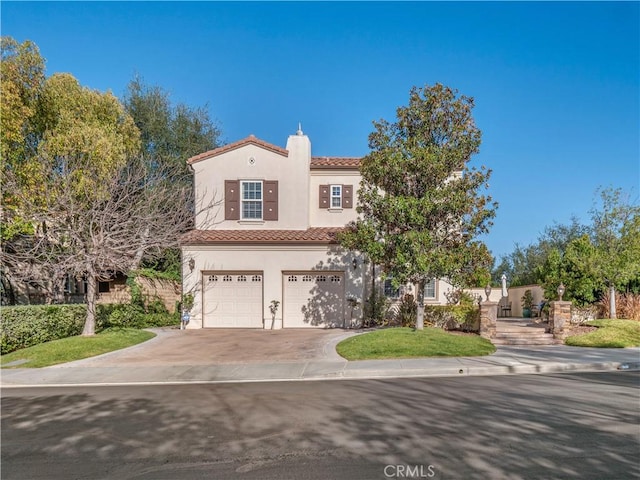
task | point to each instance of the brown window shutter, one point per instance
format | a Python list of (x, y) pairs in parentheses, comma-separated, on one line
[(347, 196), (324, 196), (270, 200), (231, 200)]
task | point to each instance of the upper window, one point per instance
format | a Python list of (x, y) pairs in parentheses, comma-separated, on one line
[(336, 196), (251, 200)]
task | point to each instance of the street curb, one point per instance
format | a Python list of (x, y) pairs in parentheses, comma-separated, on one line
[(376, 375)]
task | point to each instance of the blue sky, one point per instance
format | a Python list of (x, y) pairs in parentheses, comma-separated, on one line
[(556, 85)]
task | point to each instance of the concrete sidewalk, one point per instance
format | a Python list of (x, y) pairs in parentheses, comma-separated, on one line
[(506, 361)]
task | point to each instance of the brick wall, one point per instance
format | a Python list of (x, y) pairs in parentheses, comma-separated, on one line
[(166, 290)]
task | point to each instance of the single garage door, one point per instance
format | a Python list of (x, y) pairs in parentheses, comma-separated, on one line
[(313, 299), (233, 300)]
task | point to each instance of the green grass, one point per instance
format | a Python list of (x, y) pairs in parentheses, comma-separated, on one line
[(611, 334), (76, 348), (409, 343)]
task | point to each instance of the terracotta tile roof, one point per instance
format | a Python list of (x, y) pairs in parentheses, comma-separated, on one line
[(250, 140), (321, 235), (335, 162)]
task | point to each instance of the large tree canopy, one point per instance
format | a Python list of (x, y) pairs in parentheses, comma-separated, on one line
[(169, 133), (587, 258), (22, 71), (83, 196), (420, 204), (92, 237)]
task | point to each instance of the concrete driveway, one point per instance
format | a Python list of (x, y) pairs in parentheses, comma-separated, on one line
[(225, 346)]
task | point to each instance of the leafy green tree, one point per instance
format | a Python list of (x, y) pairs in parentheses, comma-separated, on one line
[(22, 72), (170, 134), (420, 205), (51, 126), (573, 267), (616, 236), (84, 127), (526, 264)]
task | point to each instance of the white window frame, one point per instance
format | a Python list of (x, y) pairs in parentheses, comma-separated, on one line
[(337, 196), (244, 200), (430, 291)]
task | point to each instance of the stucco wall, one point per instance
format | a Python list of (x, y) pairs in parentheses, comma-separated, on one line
[(323, 217), (291, 172), (272, 260), (515, 297)]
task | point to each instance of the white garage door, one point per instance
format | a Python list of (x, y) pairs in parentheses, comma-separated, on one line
[(313, 299), (233, 300)]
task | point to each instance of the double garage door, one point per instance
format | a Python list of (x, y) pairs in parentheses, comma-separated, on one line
[(310, 299)]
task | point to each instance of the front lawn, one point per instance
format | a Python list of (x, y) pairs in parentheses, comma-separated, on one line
[(409, 343), (610, 334), (75, 348)]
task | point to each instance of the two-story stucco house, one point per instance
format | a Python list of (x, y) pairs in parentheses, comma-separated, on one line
[(273, 238)]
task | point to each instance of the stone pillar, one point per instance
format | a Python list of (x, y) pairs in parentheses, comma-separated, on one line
[(559, 317), (488, 315)]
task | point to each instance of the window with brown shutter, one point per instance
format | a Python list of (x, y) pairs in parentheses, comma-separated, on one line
[(347, 196), (270, 200), (231, 200), (325, 196)]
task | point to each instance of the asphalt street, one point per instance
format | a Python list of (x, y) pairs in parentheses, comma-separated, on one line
[(565, 426)]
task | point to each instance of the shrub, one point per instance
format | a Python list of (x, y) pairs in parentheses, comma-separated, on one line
[(28, 325), (125, 316), (627, 305), (24, 326), (453, 317), (160, 320), (133, 316), (375, 309), (405, 313), (156, 306)]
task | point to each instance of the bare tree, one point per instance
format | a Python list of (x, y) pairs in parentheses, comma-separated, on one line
[(93, 232)]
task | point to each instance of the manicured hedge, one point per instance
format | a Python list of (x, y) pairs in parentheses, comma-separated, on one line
[(28, 325)]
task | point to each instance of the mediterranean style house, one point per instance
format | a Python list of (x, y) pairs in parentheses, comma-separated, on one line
[(272, 239)]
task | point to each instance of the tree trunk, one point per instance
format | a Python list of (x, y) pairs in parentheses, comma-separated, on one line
[(374, 298), (612, 302), (57, 287), (137, 259), (420, 299), (90, 322)]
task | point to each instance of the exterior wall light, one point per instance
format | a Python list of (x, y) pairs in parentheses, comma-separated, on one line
[(560, 291), (354, 263), (192, 264)]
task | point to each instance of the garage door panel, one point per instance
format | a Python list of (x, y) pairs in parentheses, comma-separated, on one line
[(313, 300), (233, 300)]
